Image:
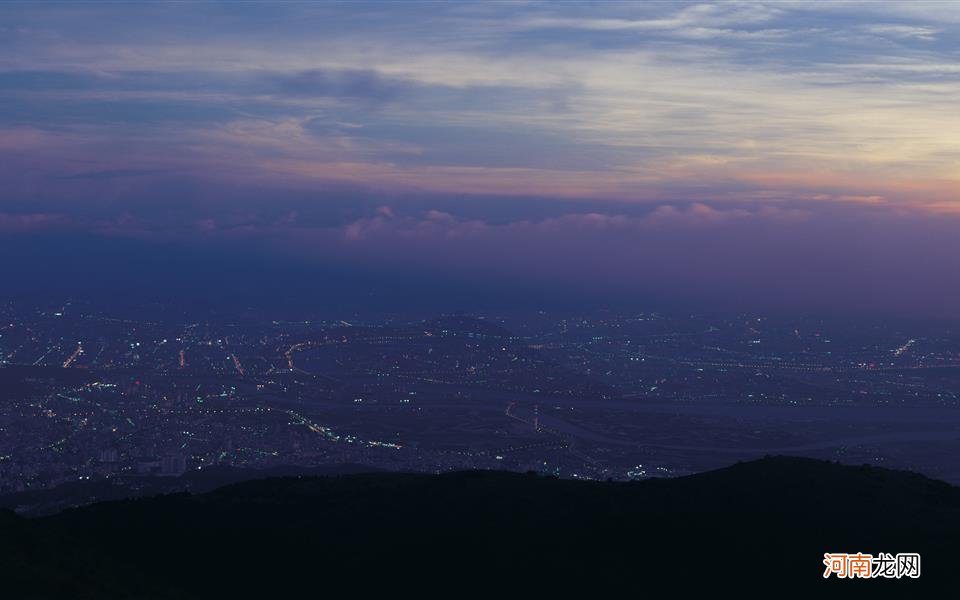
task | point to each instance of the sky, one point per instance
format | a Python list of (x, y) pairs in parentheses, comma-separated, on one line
[(780, 156)]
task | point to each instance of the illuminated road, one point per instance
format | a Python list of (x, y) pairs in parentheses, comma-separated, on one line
[(289, 353), (74, 356), (237, 365)]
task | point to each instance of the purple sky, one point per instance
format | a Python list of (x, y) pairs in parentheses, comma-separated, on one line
[(773, 156)]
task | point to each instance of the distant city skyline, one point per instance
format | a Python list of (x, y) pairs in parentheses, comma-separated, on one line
[(91, 396)]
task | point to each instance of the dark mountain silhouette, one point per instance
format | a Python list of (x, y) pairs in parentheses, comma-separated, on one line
[(759, 528), (79, 493)]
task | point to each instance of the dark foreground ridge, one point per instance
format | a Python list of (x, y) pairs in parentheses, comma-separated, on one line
[(761, 526)]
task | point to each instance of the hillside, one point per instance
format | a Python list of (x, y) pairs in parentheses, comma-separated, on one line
[(760, 526)]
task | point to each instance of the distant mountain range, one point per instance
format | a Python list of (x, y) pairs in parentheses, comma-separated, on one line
[(759, 528)]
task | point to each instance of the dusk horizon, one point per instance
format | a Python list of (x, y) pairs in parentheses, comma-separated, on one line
[(781, 157)]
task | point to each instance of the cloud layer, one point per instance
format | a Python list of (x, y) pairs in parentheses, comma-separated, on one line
[(796, 152)]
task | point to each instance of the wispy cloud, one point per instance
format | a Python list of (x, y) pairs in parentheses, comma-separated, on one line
[(738, 102)]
